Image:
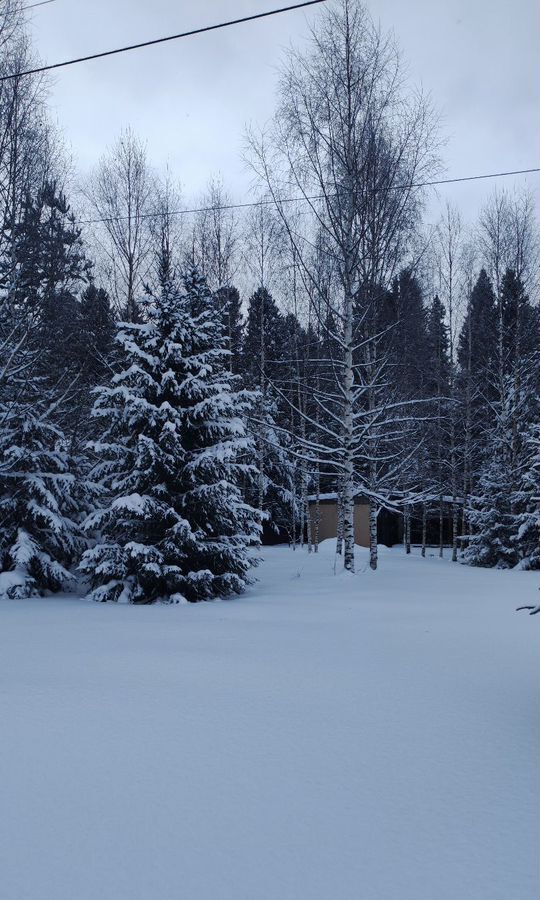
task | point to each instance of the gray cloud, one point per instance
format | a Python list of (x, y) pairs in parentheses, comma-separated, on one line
[(190, 100)]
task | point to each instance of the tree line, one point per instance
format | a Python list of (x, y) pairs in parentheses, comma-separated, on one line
[(174, 390)]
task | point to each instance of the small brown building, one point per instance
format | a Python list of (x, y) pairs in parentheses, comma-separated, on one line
[(388, 523)]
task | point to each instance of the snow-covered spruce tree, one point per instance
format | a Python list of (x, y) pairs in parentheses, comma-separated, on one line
[(497, 513), (39, 537), (171, 459), (493, 543), (528, 537), (527, 440), (264, 352)]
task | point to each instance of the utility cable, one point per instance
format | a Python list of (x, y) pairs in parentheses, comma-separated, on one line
[(306, 199), (162, 40)]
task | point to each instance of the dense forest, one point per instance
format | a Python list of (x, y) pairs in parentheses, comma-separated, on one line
[(176, 385)]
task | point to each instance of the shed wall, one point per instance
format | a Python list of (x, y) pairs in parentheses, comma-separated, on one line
[(329, 517)]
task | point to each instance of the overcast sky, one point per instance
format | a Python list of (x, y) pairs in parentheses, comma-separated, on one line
[(190, 100)]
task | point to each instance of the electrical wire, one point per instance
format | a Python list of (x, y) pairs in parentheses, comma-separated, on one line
[(33, 5), (162, 40), (247, 205)]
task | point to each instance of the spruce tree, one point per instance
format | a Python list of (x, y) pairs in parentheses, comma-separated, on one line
[(496, 512), (520, 321), (97, 330), (437, 367), (528, 535), (41, 278), (493, 542), (228, 300), (477, 345), (265, 367), (44, 271), (172, 458), (476, 380), (408, 334), (39, 536), (263, 350)]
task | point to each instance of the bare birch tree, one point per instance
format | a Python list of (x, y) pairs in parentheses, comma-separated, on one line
[(122, 196), (349, 141), (166, 227), (449, 248), (215, 238), (28, 148)]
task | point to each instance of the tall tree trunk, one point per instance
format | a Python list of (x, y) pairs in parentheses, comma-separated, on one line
[(407, 528), (262, 388), (293, 513), (453, 465), (424, 528), (373, 553), (317, 516), (260, 485), (309, 526), (302, 529), (441, 527), (339, 535), (455, 515), (467, 462), (348, 438)]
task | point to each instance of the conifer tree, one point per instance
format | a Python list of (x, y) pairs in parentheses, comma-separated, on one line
[(264, 356), (477, 345), (47, 262), (520, 321), (39, 497), (39, 536), (493, 542), (477, 355), (97, 329), (263, 347), (437, 366), (407, 334), (528, 536), (41, 277), (228, 300), (172, 458), (500, 514)]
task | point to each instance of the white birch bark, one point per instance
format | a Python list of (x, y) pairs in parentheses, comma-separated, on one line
[(339, 535), (373, 552), (441, 527)]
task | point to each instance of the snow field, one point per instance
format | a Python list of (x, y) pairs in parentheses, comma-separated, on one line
[(324, 737)]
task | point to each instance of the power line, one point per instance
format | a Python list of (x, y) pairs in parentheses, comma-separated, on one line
[(33, 6), (162, 40), (306, 199)]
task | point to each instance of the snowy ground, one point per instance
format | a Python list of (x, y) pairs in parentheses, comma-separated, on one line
[(323, 738)]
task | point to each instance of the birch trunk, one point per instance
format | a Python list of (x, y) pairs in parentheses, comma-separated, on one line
[(454, 530), (262, 388), (339, 535), (373, 552), (302, 512), (305, 506), (467, 468), (293, 513), (317, 517), (348, 454), (260, 487), (407, 530), (441, 527)]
